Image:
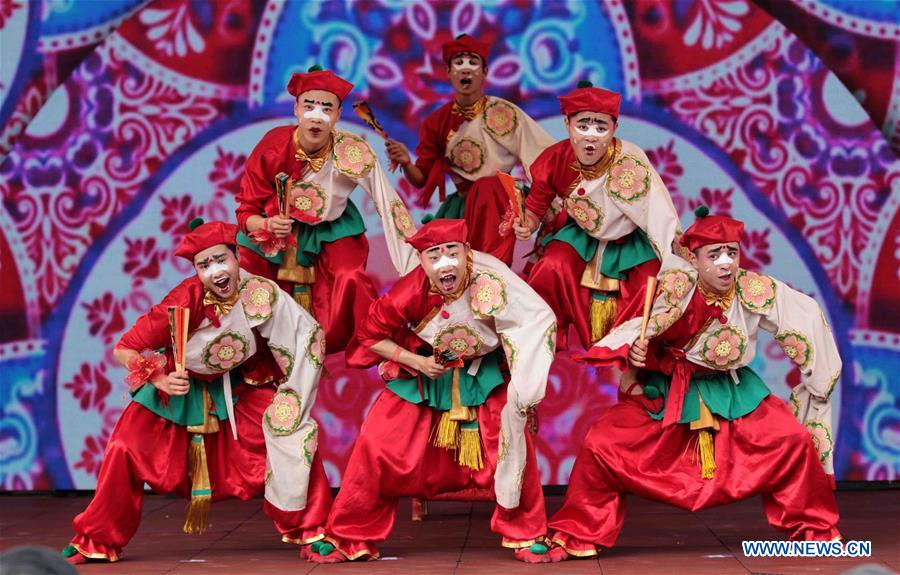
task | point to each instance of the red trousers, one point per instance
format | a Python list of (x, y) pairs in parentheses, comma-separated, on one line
[(556, 277), (342, 293), (394, 457), (766, 452), (144, 447), (486, 202)]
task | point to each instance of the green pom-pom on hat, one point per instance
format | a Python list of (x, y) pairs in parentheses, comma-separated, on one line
[(701, 211), (315, 68), (585, 84), (427, 218), (195, 223)]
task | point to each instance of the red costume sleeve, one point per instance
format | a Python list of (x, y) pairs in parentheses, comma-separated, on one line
[(550, 176), (151, 330), (393, 316), (273, 154), (432, 146)]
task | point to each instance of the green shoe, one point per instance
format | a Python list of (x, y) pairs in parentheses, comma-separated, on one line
[(325, 548), (69, 551), (538, 548)]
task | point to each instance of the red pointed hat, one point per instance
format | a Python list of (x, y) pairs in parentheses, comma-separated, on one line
[(319, 79), (587, 98), (465, 43), (205, 235), (436, 232), (709, 229)]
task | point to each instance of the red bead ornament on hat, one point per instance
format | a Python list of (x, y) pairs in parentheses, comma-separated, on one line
[(205, 235), (587, 98), (465, 43), (708, 229)]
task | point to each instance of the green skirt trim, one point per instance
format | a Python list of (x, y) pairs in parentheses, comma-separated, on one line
[(188, 409), (473, 390), (720, 393), (452, 208), (618, 257), (311, 238)]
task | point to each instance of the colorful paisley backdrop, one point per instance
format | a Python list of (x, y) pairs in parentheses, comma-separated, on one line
[(122, 119)]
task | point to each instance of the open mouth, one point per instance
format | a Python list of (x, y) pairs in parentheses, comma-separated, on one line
[(590, 148), (447, 281), (725, 278), (315, 131), (466, 82), (222, 284)]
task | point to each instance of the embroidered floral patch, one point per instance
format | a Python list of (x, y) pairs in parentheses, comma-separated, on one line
[(795, 404), (724, 348), (467, 155), (510, 349), (352, 155), (550, 339), (797, 347), (504, 447), (283, 414), (402, 220), (674, 285), (315, 347), (500, 118), (308, 202), (310, 445), (225, 352), (258, 295), (283, 358), (487, 293), (459, 338), (628, 179), (664, 319), (757, 291), (586, 213), (822, 439)]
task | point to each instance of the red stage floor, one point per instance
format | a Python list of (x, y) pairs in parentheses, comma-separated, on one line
[(456, 539)]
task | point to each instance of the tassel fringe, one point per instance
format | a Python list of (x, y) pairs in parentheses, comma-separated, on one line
[(466, 442), (447, 435), (304, 299), (197, 520), (603, 315), (707, 454), (470, 449)]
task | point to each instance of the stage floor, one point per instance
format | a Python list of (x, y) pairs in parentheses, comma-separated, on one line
[(456, 539)]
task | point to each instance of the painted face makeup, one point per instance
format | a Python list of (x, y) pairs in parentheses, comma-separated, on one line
[(445, 262), (723, 260), (214, 268), (466, 63), (588, 130), (317, 113)]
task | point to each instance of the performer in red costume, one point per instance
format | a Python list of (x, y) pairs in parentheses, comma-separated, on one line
[(252, 362), (314, 244), (470, 139), (465, 346), (615, 222), (697, 427)]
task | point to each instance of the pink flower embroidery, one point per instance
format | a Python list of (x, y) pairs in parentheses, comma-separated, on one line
[(757, 291), (308, 202), (796, 346), (512, 352), (500, 118), (674, 285), (550, 339), (283, 358), (822, 439), (629, 179), (311, 445), (225, 352), (467, 155), (664, 320), (315, 347), (488, 295), (402, 220), (461, 339), (283, 414), (586, 213), (352, 155), (257, 296), (724, 348)]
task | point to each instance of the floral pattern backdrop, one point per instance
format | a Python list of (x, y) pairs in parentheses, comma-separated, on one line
[(121, 120)]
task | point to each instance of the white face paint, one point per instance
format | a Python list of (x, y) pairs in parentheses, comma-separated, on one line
[(466, 63), (591, 130), (445, 262), (214, 268), (723, 260), (317, 113)]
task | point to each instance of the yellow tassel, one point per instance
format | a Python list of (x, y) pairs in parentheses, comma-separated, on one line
[(304, 298), (470, 449), (603, 314), (201, 491), (707, 454), (447, 435)]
